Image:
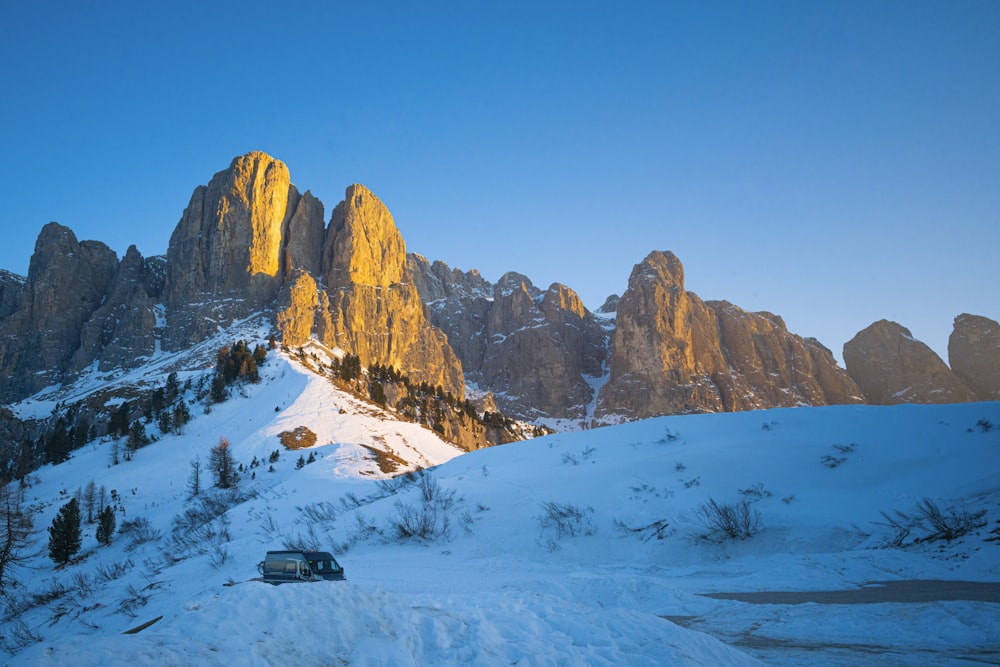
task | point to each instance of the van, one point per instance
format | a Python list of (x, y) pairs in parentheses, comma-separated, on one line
[(283, 567)]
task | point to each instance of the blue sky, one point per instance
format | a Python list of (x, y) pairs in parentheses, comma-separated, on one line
[(835, 163)]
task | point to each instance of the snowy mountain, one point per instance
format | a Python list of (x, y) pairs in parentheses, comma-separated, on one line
[(588, 548)]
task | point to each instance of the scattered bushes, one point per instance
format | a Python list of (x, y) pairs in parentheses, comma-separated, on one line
[(659, 530), (429, 520), (937, 524), (728, 521), (560, 520), (138, 531)]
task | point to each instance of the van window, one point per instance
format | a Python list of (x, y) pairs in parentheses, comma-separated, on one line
[(290, 566)]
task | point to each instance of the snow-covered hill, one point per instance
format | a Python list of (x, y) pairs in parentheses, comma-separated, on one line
[(577, 548)]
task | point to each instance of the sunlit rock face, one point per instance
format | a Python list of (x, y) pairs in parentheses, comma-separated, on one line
[(974, 355), (673, 353), (538, 352), (224, 255), (67, 281), (892, 367), (363, 245), (374, 308)]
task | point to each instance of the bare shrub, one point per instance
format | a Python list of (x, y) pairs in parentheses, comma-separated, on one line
[(134, 599), (938, 524), (138, 531), (565, 520), (322, 511), (20, 637), (659, 530), (948, 524), (755, 492), (832, 461), (308, 541), (114, 570), (728, 521)]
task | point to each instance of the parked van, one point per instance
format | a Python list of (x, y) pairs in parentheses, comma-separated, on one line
[(283, 567)]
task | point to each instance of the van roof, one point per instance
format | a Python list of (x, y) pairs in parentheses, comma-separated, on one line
[(309, 555)]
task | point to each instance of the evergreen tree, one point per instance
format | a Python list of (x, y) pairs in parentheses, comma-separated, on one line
[(172, 387), (181, 415), (64, 533), (259, 355), (59, 443), (166, 421), (377, 393), (106, 525), (118, 425), (218, 392)]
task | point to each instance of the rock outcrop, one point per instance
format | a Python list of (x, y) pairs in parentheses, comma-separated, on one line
[(67, 281), (974, 355), (122, 331), (364, 301), (893, 367), (538, 352), (11, 292), (674, 353), (227, 255), (459, 303), (249, 243)]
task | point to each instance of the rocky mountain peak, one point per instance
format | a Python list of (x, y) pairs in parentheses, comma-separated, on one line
[(610, 304), (67, 281), (363, 245), (891, 367), (227, 248), (974, 354), (674, 353)]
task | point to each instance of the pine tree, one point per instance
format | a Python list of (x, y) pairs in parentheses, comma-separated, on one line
[(218, 393), (181, 415), (64, 533), (106, 525)]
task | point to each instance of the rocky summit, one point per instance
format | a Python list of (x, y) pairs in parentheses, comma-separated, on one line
[(974, 355), (892, 367), (250, 245), (674, 353)]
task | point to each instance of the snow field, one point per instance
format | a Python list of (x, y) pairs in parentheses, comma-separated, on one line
[(509, 584)]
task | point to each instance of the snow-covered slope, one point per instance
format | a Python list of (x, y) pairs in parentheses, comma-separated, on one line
[(578, 548)]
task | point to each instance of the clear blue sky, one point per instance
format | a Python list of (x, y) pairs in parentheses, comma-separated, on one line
[(835, 163)]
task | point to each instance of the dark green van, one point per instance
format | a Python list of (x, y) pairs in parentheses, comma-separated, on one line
[(285, 567)]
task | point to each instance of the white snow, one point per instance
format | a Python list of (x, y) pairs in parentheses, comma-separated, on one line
[(506, 585)]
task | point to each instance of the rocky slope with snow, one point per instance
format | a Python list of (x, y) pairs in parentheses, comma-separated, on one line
[(578, 548)]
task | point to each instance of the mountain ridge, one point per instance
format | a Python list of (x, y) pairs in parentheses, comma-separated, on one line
[(250, 242)]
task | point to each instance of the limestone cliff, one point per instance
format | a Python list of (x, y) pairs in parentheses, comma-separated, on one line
[(674, 353), (67, 281), (224, 257), (974, 355), (893, 367), (121, 332), (538, 352), (11, 292), (375, 310)]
